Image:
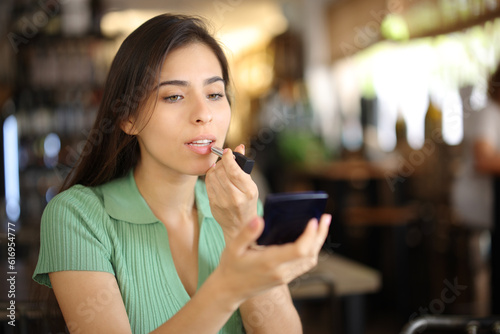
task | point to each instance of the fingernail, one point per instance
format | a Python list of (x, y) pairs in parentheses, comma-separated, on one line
[(329, 220), (225, 150)]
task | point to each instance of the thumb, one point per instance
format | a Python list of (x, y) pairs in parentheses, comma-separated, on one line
[(247, 235)]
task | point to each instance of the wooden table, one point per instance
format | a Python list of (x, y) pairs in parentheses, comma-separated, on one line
[(337, 276)]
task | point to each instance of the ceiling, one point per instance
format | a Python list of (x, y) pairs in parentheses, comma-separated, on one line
[(239, 24), (224, 13)]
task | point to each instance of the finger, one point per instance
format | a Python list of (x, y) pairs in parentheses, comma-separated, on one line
[(219, 184), (211, 169), (309, 234), (302, 247), (323, 229), (247, 236), (228, 157), (212, 184), (240, 149), (221, 191), (234, 173)]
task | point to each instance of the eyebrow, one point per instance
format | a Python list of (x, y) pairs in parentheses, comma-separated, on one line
[(183, 83)]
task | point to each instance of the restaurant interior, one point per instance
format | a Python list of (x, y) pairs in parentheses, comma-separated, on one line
[(366, 100)]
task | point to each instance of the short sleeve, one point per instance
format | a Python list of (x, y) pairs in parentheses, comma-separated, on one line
[(73, 235)]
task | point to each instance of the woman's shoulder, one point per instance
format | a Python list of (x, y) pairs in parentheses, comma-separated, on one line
[(77, 194), (78, 201)]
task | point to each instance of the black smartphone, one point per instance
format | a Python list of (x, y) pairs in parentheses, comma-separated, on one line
[(287, 214)]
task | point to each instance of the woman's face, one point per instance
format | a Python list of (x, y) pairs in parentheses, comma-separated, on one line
[(192, 113)]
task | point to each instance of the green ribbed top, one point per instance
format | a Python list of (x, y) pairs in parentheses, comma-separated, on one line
[(111, 228)]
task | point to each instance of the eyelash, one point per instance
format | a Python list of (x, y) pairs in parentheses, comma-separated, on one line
[(172, 98), (176, 98), (216, 96)]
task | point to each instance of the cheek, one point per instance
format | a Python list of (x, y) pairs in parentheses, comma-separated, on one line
[(166, 123), (158, 132), (225, 119)]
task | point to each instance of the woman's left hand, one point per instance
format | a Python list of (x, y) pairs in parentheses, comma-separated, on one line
[(232, 193)]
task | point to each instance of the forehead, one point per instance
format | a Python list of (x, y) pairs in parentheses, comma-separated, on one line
[(190, 60)]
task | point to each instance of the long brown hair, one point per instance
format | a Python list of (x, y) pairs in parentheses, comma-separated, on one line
[(132, 80)]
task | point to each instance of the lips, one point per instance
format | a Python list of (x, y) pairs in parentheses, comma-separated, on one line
[(201, 144)]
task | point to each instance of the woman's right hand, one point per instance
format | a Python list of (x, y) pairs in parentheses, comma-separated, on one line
[(248, 271)]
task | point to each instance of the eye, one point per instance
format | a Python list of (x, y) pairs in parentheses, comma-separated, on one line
[(173, 98), (215, 96)]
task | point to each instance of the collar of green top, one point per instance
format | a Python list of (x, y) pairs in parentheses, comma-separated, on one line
[(123, 201)]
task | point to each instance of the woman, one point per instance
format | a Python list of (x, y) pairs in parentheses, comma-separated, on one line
[(476, 190), (136, 242)]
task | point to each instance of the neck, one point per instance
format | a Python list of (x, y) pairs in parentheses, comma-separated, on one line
[(168, 194)]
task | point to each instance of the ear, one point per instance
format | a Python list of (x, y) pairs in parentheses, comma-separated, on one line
[(128, 126)]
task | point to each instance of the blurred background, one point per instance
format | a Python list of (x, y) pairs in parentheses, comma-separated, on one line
[(366, 100)]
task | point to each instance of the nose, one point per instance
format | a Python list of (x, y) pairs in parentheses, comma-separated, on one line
[(201, 113)]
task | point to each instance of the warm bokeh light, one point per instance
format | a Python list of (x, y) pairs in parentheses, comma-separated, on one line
[(236, 32), (406, 75)]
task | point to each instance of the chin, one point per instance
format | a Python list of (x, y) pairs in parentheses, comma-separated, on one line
[(200, 170), (200, 166)]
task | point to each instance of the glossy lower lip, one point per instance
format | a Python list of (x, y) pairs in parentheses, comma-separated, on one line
[(201, 149)]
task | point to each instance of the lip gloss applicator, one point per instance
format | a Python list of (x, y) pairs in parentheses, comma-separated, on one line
[(245, 163)]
